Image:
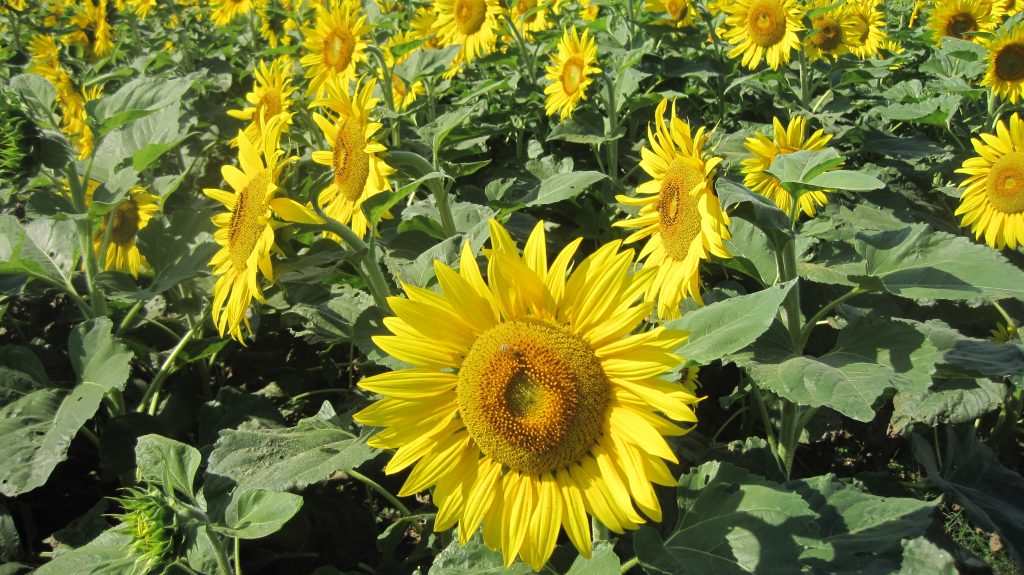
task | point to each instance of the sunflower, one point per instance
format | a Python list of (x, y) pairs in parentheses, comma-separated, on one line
[(270, 96), (1005, 73), (570, 72), (868, 28), (401, 95), (531, 16), (831, 33), (762, 28), (470, 23), (141, 7), (335, 45), (588, 11), (94, 32), (529, 404), (679, 212), (245, 231), (962, 19), (678, 13), (129, 217), (359, 173), (993, 199), (422, 27), (277, 23), (785, 140), (224, 11)]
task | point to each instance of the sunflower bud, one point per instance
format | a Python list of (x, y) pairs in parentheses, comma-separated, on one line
[(149, 520)]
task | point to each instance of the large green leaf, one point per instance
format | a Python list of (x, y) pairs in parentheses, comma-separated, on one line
[(37, 428), (473, 559), (258, 513), (105, 555), (964, 356), (740, 202), (168, 462), (10, 541), (958, 400), (137, 99), (922, 557), (724, 327), (42, 248), (603, 561), (559, 187)]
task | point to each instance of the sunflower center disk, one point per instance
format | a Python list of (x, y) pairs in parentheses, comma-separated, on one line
[(960, 24), (826, 36), (470, 15), (351, 162), (126, 223), (338, 48), (572, 75), (1006, 183), (268, 107), (1010, 63), (677, 207), (245, 227), (767, 23), (532, 395)]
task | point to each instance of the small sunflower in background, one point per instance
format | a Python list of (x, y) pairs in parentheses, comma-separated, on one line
[(679, 212), (531, 16), (678, 13), (831, 33), (531, 403), (335, 45), (270, 96), (141, 8), (869, 33), (1010, 7), (993, 199), (570, 73), (1005, 75), (224, 11), (469, 23), (762, 30), (277, 21), (94, 32), (784, 140), (358, 173), (962, 19), (422, 27), (125, 222), (402, 95), (589, 11)]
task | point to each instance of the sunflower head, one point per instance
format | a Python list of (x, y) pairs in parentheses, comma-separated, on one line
[(868, 28), (148, 519), (335, 46), (270, 97), (531, 402), (762, 29), (993, 193), (469, 23), (678, 13), (1005, 73), (124, 223), (962, 19), (831, 33), (570, 72)]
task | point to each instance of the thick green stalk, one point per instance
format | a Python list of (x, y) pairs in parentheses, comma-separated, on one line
[(805, 332), (369, 268), (394, 501), (613, 129), (152, 394)]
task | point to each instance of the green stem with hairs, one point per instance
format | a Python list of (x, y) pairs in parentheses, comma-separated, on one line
[(152, 394), (380, 490), (389, 97), (805, 332), (613, 129)]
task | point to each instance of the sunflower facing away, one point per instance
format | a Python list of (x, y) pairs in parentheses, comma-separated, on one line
[(679, 213), (335, 46), (762, 29), (993, 199), (678, 13), (359, 173), (470, 23), (869, 33), (570, 73), (246, 232), (831, 33), (785, 140), (128, 218), (531, 403), (270, 96), (962, 18), (1005, 73)]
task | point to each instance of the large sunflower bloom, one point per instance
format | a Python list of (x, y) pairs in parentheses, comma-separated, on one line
[(358, 172), (762, 29), (128, 218), (993, 199), (678, 13), (570, 73), (1005, 73), (962, 18), (245, 231), (831, 33), (470, 23), (869, 33), (785, 140), (529, 404), (270, 96), (335, 45), (679, 212)]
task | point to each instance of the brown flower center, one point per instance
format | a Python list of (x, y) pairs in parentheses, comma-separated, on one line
[(1006, 183), (960, 24), (470, 15), (766, 22), (572, 75), (351, 162), (678, 215), (125, 223), (247, 224), (338, 48), (826, 34), (1010, 63)]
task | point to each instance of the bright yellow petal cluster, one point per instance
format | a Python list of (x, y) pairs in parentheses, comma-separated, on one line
[(869, 35), (570, 73), (94, 32), (531, 16), (993, 198), (401, 94), (1005, 74), (831, 34), (531, 402), (678, 13), (124, 223), (469, 23), (225, 11), (963, 19), (335, 45), (762, 29), (270, 97), (46, 62)]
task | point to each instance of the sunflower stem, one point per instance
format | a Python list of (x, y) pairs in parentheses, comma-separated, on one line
[(369, 269), (389, 97), (152, 394), (126, 322), (1006, 317), (613, 129), (805, 332), (380, 491), (629, 565), (805, 80), (238, 556), (530, 59)]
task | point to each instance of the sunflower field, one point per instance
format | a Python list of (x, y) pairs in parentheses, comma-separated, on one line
[(587, 287)]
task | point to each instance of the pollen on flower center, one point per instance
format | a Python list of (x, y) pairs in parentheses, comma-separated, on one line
[(1006, 183), (678, 215), (470, 15), (960, 24), (1010, 63), (246, 224), (338, 49), (351, 162), (532, 395), (572, 74), (767, 23), (125, 223)]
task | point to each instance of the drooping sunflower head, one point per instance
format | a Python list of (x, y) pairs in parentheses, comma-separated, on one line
[(831, 33), (785, 139), (94, 32), (124, 224), (570, 72), (531, 402), (469, 23), (868, 27), (1005, 74), (678, 13), (270, 97), (762, 29), (993, 193), (962, 19), (335, 45), (679, 212)]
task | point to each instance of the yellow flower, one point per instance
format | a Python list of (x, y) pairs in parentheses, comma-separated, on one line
[(270, 96), (868, 28), (993, 199), (679, 213), (962, 19), (126, 220), (1005, 73), (762, 29), (470, 23), (141, 7), (422, 27), (831, 33), (246, 232), (335, 45), (531, 403), (224, 11), (276, 23), (358, 172), (679, 13), (786, 140), (94, 32), (588, 11), (570, 73), (531, 16), (403, 96)]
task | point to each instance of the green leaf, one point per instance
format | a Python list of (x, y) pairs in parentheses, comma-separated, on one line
[(39, 95), (10, 541), (559, 187), (971, 476), (603, 561), (730, 522), (376, 206), (957, 400), (922, 557), (137, 99), (233, 408), (583, 128), (168, 462), (473, 559), (331, 322), (970, 357), (105, 555), (423, 63), (740, 202), (801, 166), (258, 513), (727, 326), (846, 180), (98, 357), (42, 248), (752, 253)]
